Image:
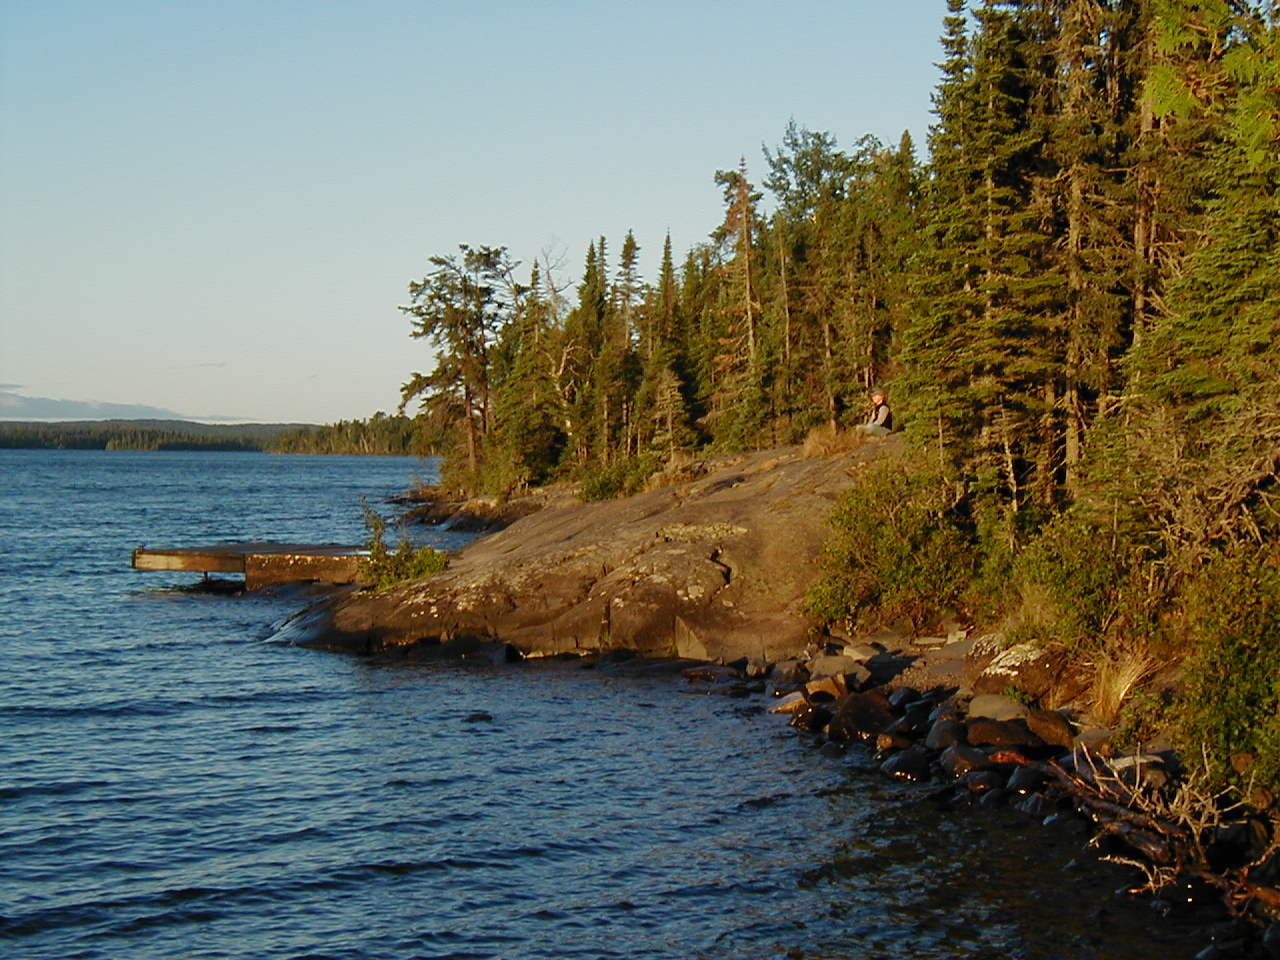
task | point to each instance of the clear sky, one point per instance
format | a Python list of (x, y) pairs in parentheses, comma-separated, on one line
[(215, 208)]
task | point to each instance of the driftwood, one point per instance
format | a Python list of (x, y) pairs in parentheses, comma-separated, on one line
[(1166, 834)]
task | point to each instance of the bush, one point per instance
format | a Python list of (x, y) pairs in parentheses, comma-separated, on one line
[(1231, 701), (384, 568), (620, 478), (896, 548), (1074, 583)]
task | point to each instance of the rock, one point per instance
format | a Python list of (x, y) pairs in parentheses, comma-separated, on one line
[(1236, 844), (1271, 941), (826, 688), (479, 717), (911, 764), (1140, 772), (1094, 740), (1051, 727), (945, 732), (860, 716), (980, 780), (1000, 733), (810, 716), (991, 797), (831, 749), (830, 666), (902, 696), (1043, 674), (890, 740), (730, 688), (789, 704), (757, 667), (861, 652), (1025, 780), (790, 671), (982, 650), (959, 759), (996, 706), (714, 567), (712, 672), (914, 721), (1035, 805)]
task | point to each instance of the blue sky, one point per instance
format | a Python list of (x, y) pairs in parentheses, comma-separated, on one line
[(215, 208)]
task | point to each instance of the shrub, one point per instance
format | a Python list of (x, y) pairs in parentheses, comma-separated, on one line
[(1231, 701), (1073, 583), (620, 478), (383, 567), (896, 549)]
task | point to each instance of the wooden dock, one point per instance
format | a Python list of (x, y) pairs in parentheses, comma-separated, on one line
[(263, 564)]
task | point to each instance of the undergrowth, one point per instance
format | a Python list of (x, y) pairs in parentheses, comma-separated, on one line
[(896, 549), (384, 567)]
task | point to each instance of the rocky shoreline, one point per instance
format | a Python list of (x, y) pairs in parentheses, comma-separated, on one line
[(711, 569)]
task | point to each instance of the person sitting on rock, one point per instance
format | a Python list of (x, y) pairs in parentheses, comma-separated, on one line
[(880, 421)]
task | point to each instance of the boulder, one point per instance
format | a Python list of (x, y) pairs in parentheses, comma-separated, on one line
[(830, 666), (861, 716), (945, 732), (911, 764), (1025, 780), (827, 688), (996, 706), (914, 720), (891, 740), (1140, 771), (1000, 733), (1051, 727), (790, 671), (1035, 805), (902, 696), (959, 759), (1026, 667), (811, 716), (861, 652), (789, 704)]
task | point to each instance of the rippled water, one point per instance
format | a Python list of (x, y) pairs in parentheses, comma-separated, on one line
[(176, 783)]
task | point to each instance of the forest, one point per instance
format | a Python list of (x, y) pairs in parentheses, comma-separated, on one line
[(1073, 303)]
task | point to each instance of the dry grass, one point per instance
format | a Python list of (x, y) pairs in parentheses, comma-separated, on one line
[(1115, 678), (825, 440)]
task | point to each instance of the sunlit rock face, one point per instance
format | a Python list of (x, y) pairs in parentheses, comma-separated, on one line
[(712, 567)]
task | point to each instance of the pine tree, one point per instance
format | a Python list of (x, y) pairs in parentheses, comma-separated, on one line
[(459, 307)]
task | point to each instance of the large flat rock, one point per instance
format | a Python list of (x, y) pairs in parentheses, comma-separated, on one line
[(715, 567)]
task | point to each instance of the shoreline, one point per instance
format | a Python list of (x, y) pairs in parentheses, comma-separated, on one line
[(933, 708)]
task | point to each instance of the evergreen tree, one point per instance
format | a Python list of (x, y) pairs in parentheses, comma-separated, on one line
[(459, 307)]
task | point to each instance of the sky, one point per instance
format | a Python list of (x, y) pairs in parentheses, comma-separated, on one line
[(214, 209)]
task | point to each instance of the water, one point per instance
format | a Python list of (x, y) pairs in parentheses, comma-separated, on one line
[(176, 783)]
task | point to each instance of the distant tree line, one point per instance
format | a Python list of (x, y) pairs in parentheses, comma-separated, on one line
[(394, 435), (1075, 304), (136, 435), (380, 435)]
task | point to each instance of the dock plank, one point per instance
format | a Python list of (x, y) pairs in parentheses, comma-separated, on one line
[(263, 563)]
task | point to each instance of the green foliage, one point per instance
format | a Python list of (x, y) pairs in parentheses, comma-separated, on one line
[(619, 479), (1073, 583), (380, 435), (1231, 704), (896, 548), (384, 567)]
